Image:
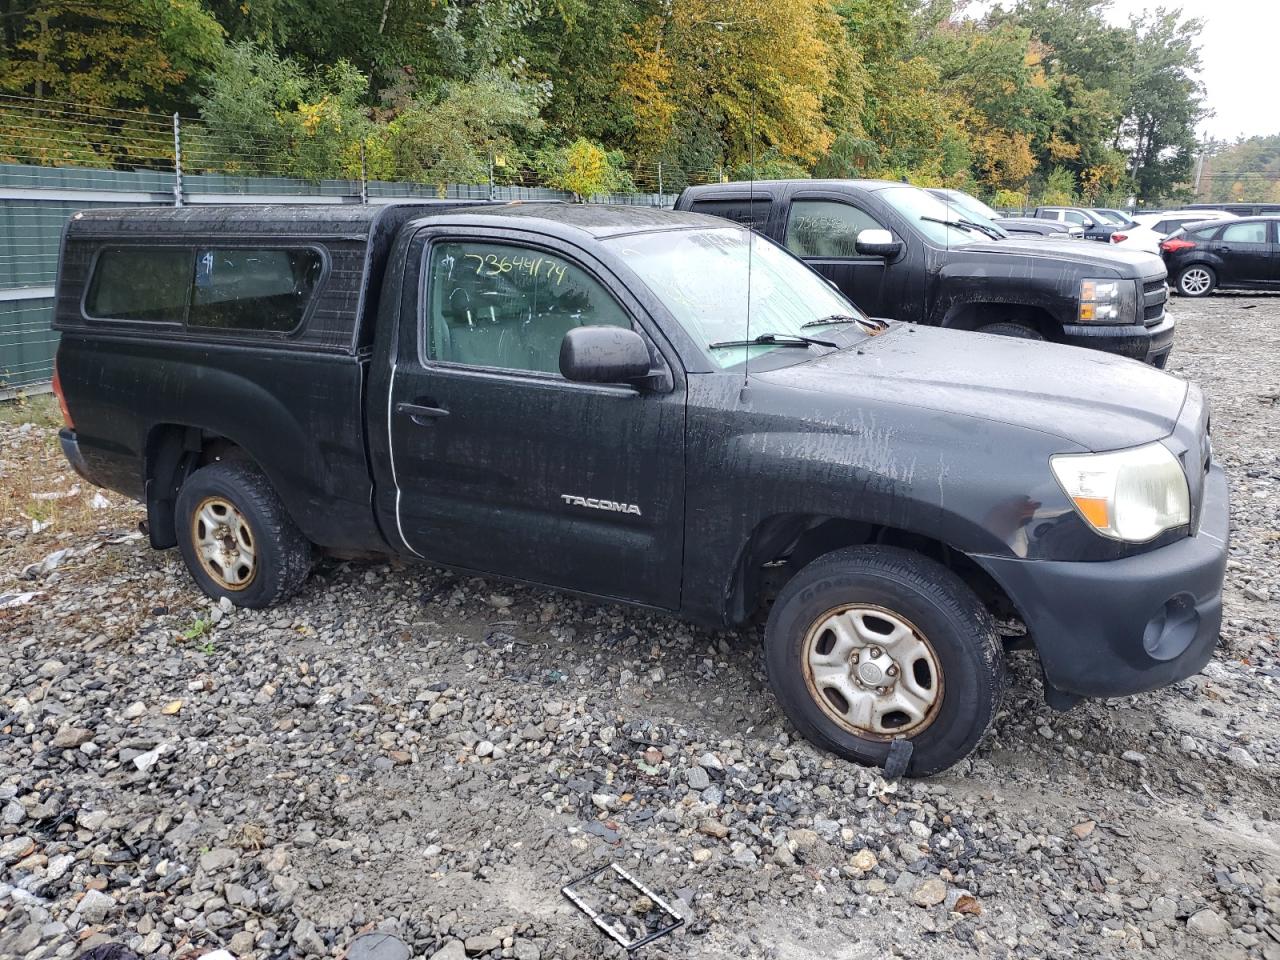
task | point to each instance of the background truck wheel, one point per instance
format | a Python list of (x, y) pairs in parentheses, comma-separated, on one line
[(236, 538), (1197, 280), (1007, 328), (867, 645)]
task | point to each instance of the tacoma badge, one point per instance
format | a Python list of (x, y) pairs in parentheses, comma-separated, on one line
[(611, 505)]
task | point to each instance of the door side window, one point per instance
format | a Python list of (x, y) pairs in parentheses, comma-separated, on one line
[(1079, 219), (826, 228), (509, 307), (1245, 233)]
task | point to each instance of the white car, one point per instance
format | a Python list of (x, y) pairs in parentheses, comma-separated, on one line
[(1151, 228)]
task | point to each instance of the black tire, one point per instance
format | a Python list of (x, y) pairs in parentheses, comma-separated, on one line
[(1197, 271), (282, 555), (926, 595), (1008, 328)]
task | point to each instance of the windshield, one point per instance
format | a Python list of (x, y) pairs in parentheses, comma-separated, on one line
[(1109, 216), (971, 204), (701, 277), (923, 209)]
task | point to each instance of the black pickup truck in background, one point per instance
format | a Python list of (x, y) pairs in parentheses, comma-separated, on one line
[(898, 251), (570, 396)]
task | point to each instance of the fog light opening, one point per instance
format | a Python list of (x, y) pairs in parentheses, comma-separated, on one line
[(1172, 629)]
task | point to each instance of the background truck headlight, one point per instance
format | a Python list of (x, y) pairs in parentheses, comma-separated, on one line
[(1108, 301), (1131, 495)]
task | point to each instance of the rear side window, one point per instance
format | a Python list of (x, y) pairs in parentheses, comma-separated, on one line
[(240, 288), (1255, 232), (148, 284), (753, 213), (247, 289)]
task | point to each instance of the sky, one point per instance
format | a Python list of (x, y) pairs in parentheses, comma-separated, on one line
[(1240, 47)]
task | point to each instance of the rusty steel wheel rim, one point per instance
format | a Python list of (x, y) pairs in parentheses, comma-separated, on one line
[(224, 543), (872, 672)]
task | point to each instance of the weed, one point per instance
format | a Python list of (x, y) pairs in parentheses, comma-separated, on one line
[(199, 627)]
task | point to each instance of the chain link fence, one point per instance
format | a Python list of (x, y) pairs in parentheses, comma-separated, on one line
[(57, 158)]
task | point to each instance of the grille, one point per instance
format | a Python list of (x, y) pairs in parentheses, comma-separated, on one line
[(1154, 295)]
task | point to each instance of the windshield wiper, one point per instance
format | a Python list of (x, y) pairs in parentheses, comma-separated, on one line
[(964, 225), (775, 340), (876, 326)]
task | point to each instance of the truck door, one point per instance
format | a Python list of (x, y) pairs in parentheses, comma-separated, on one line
[(823, 231), (500, 464), (1245, 251)]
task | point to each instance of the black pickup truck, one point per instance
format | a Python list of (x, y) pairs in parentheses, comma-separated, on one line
[(575, 396), (901, 252)]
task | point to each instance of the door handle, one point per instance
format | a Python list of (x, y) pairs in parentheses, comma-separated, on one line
[(419, 413)]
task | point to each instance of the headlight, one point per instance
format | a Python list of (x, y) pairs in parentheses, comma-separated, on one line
[(1131, 495), (1108, 301)]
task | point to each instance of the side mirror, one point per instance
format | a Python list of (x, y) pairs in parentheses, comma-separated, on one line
[(604, 355), (877, 243)]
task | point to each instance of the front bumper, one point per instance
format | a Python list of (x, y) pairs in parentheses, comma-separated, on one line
[(1120, 627), (1149, 344)]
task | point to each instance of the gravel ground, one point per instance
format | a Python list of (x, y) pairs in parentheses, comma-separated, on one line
[(405, 750)]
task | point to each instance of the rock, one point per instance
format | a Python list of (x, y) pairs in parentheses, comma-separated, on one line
[(1208, 925), (1242, 758), (483, 943), (864, 860), (16, 848), (217, 859), (713, 828), (68, 738), (241, 943), (58, 866), (91, 820), (1256, 593), (94, 907), (308, 939), (134, 710), (801, 839), (453, 950), (378, 946), (790, 770), (14, 813), (484, 748), (1134, 757), (702, 855), (930, 893), (526, 950), (697, 779), (28, 939), (172, 708), (968, 905), (1083, 830)]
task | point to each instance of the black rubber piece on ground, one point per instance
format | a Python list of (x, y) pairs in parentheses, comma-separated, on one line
[(921, 591), (283, 555)]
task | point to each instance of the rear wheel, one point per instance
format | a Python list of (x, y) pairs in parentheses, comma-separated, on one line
[(236, 539), (1197, 280), (868, 645), (1008, 328)]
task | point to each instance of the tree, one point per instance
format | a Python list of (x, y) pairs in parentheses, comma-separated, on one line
[(268, 115), (585, 169), (137, 54), (1165, 101)]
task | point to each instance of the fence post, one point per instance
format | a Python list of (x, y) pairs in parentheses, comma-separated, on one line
[(177, 161), (493, 192), (364, 179), (659, 183)]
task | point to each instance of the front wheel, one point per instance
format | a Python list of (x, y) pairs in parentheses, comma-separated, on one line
[(236, 538), (1007, 328), (868, 645), (1197, 280)]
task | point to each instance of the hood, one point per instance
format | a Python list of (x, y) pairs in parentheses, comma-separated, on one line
[(1091, 399), (1125, 263)]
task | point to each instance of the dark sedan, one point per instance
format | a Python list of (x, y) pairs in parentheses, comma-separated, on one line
[(1236, 254)]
